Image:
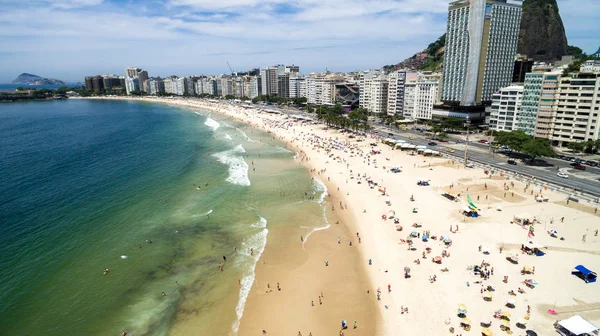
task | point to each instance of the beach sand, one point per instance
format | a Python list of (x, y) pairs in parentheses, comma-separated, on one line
[(432, 306)]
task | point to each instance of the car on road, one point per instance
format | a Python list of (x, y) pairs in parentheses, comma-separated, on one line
[(562, 174), (592, 164), (483, 141), (391, 134), (449, 150), (579, 167), (470, 165), (431, 143), (512, 162)]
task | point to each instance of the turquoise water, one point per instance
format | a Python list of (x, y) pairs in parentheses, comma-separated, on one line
[(86, 183)]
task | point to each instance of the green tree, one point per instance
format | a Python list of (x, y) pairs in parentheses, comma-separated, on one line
[(513, 139), (537, 147), (576, 147), (229, 96), (20, 88), (442, 136)]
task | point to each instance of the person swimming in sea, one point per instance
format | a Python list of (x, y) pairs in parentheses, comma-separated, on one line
[(105, 271)]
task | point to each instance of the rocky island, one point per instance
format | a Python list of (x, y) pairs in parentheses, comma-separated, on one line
[(29, 79)]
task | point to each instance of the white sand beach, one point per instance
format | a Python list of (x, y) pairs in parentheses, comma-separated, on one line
[(363, 188)]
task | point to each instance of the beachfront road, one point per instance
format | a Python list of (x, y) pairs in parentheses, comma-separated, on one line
[(493, 160)]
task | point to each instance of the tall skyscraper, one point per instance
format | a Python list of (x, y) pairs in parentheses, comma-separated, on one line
[(481, 43), (269, 83), (395, 103)]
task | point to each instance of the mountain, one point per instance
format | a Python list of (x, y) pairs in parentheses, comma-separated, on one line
[(541, 37), (29, 79)]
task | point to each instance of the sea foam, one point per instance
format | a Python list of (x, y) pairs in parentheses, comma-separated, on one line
[(211, 123), (257, 242), (238, 168)]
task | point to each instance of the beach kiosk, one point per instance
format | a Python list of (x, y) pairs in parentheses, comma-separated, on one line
[(584, 273), (576, 326)]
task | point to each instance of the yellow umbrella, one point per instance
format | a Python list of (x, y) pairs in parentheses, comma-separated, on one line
[(505, 314), (465, 321), (487, 294), (487, 332), (462, 306), (505, 322), (527, 268)]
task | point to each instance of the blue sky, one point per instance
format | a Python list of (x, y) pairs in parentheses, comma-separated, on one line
[(68, 39)]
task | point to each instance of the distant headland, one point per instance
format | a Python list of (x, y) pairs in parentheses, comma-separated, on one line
[(29, 79)]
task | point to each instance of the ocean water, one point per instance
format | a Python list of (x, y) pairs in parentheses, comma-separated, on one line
[(86, 184)]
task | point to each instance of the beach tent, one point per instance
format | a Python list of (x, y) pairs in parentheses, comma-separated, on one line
[(421, 147), (584, 273), (577, 326)]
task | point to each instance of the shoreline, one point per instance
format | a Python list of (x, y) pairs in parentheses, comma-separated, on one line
[(432, 305)]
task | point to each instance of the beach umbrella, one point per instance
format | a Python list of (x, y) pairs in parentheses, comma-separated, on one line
[(505, 323), (526, 269), (521, 322), (465, 320), (447, 240), (462, 306), (505, 314), (406, 269), (487, 295), (486, 332), (425, 236), (511, 302), (553, 231), (485, 321), (438, 259), (530, 333)]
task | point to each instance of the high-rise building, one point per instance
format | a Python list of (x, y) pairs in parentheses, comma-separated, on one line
[(523, 65), (156, 85), (373, 90), (420, 94), (506, 105), (283, 85), (255, 87), (576, 118), (321, 89), (268, 77), (532, 88), (226, 86), (292, 68), (132, 84), (134, 79), (481, 43), (395, 105), (143, 78), (295, 83)]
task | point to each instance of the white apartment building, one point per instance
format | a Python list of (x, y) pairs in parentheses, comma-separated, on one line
[(321, 89), (295, 86), (179, 86), (590, 66), (577, 110), (155, 86), (481, 43), (506, 105), (255, 84), (419, 97), (373, 91), (226, 86), (395, 104), (168, 83), (132, 84)]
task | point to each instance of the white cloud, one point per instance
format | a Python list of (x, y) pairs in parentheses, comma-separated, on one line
[(195, 36)]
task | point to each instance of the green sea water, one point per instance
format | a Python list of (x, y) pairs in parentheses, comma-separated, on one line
[(87, 184)]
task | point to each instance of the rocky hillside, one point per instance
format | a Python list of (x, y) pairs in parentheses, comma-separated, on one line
[(542, 37), (29, 79)]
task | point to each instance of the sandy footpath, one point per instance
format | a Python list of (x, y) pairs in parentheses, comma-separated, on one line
[(368, 190)]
